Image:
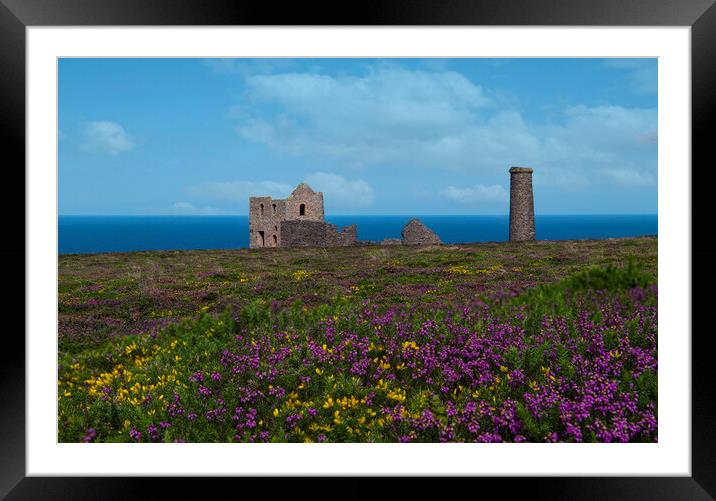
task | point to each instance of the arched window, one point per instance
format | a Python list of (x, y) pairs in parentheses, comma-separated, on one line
[(274, 208), (275, 240), (262, 209), (302, 210)]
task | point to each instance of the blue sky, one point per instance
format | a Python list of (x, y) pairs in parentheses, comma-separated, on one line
[(377, 136)]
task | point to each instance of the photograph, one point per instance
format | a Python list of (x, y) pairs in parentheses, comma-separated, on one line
[(357, 250)]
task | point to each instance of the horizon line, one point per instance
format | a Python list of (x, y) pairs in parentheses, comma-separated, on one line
[(373, 215)]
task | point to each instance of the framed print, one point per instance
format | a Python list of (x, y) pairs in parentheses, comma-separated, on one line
[(411, 233)]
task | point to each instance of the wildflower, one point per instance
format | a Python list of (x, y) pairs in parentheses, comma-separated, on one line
[(135, 434), (89, 437), (301, 275)]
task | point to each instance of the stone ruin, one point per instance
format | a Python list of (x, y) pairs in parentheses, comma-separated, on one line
[(416, 233), (296, 221)]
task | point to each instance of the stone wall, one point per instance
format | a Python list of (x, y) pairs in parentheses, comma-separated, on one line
[(349, 235), (522, 212), (297, 233), (316, 234), (265, 216)]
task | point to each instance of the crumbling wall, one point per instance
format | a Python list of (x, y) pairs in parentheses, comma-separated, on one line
[(349, 235), (303, 234), (315, 234)]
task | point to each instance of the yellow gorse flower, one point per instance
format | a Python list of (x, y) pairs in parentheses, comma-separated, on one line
[(460, 270), (410, 344), (301, 275)]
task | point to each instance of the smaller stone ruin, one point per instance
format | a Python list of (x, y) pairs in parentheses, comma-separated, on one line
[(414, 233)]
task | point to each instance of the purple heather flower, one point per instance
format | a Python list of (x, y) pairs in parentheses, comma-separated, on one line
[(91, 434), (135, 434)]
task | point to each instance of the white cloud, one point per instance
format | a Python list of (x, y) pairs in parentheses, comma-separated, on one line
[(475, 194), (629, 177), (186, 208), (374, 118), (338, 190), (240, 191), (397, 117), (183, 206), (106, 137), (341, 191)]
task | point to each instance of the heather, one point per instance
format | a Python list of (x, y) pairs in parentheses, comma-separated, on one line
[(538, 342)]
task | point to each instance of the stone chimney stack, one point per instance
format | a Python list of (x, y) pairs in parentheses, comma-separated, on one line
[(522, 210)]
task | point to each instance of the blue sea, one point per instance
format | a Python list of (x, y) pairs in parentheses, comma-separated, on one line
[(91, 234)]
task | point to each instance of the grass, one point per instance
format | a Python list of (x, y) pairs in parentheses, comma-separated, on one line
[(544, 341)]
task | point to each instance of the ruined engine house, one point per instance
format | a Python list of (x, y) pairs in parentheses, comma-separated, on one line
[(296, 221)]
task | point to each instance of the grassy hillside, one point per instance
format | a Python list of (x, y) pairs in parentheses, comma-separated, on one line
[(109, 295), (545, 341)]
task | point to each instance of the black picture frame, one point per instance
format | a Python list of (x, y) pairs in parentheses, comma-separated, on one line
[(700, 15)]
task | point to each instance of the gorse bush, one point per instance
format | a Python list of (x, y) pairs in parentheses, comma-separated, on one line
[(610, 278), (574, 361), (557, 298)]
